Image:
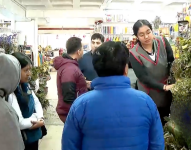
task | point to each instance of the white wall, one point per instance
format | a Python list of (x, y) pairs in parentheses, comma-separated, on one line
[(59, 40), (30, 31), (27, 29)]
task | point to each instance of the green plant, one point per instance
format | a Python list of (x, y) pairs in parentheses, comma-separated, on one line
[(35, 73), (181, 106), (41, 72), (41, 94)]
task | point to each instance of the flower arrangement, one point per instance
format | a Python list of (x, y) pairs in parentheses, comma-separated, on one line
[(6, 43)]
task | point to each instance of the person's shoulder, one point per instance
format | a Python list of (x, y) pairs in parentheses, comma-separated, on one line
[(82, 100), (142, 96), (86, 55), (161, 38), (134, 48)]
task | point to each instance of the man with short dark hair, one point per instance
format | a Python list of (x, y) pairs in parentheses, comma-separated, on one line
[(70, 80), (85, 63), (113, 116)]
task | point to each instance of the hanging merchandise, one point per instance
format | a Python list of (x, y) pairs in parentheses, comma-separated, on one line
[(119, 18), (181, 16), (109, 18), (116, 18), (111, 30), (40, 59), (183, 28), (171, 30), (157, 22), (98, 26), (187, 18), (115, 30)]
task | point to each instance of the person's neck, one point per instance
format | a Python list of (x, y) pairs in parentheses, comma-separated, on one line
[(73, 57), (148, 47)]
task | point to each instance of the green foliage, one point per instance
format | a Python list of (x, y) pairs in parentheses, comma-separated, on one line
[(173, 136), (41, 72), (177, 130), (35, 73), (182, 66), (41, 94)]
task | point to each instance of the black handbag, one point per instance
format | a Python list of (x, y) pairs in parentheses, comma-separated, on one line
[(44, 131)]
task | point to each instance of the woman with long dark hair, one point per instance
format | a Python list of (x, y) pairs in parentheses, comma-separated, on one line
[(151, 59), (27, 105)]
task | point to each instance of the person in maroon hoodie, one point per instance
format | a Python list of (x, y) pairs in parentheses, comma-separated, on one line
[(71, 82)]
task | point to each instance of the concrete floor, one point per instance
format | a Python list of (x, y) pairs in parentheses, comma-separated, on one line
[(52, 141)]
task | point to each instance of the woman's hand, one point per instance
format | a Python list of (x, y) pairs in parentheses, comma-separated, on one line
[(88, 84), (37, 124), (168, 87)]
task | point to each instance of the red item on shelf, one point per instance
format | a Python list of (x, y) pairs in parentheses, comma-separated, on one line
[(61, 51)]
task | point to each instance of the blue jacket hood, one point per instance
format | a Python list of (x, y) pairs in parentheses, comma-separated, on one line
[(111, 81)]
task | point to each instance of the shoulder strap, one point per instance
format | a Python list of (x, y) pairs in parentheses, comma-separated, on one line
[(162, 39), (164, 42)]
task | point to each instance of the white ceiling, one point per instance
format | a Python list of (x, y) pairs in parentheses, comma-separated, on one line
[(48, 10), (94, 4), (61, 4)]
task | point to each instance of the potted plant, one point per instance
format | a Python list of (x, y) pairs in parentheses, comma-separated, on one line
[(180, 118)]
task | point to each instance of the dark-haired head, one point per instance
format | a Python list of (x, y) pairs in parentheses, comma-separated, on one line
[(111, 59), (74, 47), (26, 66), (143, 31), (96, 40)]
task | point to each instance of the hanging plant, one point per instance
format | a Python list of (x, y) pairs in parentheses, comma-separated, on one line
[(157, 22)]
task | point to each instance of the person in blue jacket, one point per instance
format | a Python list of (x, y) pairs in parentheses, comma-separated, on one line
[(113, 116)]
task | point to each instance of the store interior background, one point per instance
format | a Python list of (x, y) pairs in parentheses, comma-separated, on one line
[(52, 22)]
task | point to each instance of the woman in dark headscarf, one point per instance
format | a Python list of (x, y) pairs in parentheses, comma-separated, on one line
[(30, 107)]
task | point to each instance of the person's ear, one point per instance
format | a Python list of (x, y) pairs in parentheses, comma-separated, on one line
[(126, 70), (79, 52)]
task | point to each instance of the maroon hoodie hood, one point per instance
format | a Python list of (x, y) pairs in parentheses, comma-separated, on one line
[(63, 60)]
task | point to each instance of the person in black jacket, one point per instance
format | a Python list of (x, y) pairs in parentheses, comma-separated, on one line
[(85, 63)]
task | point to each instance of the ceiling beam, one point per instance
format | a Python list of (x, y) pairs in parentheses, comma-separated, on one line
[(28, 3), (168, 2), (90, 3), (105, 4), (136, 5), (76, 4), (137, 2), (64, 13), (47, 3)]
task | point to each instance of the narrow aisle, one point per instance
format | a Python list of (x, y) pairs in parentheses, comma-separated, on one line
[(52, 141)]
